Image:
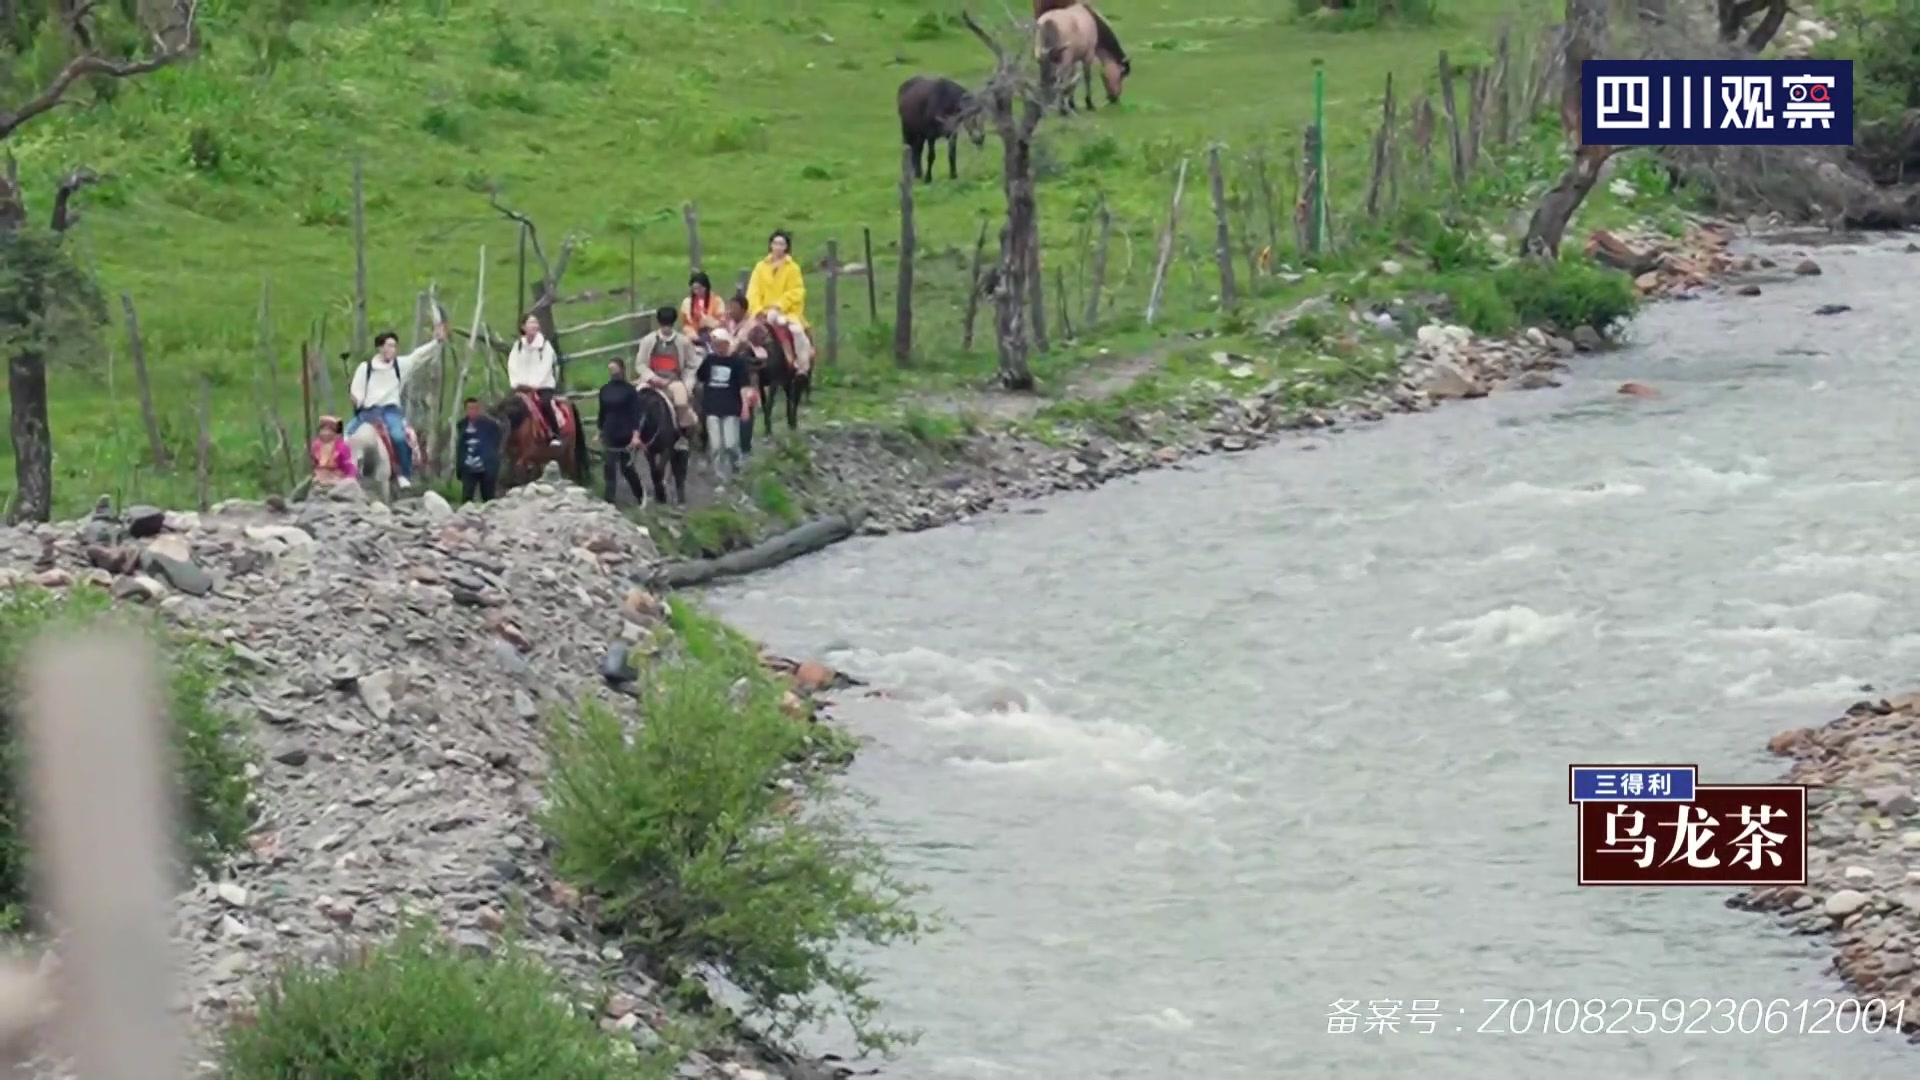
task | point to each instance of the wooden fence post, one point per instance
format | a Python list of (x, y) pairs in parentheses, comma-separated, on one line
[(1306, 219), (695, 257), (873, 294), (1036, 287), (903, 300), (1383, 175), (1166, 245), (1222, 238), (1453, 121), (833, 301), (206, 440), (973, 288), (1099, 277), (155, 445)]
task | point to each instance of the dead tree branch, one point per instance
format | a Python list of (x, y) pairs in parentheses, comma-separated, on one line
[(64, 215), (170, 37)]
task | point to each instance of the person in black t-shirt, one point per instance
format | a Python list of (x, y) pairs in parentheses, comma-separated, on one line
[(723, 378), (620, 430), (478, 453)]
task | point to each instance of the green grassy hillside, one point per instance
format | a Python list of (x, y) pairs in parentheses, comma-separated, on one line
[(600, 120)]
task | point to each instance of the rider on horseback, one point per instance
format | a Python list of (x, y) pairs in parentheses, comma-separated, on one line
[(667, 358), (777, 296), (376, 391), (532, 367)]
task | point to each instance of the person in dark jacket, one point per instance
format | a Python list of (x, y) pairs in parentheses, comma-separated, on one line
[(620, 429), (478, 453), (723, 379)]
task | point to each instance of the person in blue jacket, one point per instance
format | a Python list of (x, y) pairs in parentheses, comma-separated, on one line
[(478, 453)]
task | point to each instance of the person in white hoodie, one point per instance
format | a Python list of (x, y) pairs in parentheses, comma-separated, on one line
[(532, 365), (376, 391)]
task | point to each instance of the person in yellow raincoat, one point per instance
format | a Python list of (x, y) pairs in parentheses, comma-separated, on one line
[(776, 283)]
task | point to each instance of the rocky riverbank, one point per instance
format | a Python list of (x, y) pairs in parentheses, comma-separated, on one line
[(1864, 832), (398, 661), (904, 486)]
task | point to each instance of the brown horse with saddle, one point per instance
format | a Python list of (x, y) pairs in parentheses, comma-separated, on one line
[(531, 441)]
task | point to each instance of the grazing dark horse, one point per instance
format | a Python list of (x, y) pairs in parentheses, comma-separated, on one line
[(528, 449), (775, 374), (932, 109), (1076, 37), (660, 440)]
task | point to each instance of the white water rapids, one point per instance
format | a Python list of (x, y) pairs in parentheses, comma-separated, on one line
[(1188, 758)]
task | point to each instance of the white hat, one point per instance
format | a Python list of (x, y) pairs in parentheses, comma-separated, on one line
[(721, 333)]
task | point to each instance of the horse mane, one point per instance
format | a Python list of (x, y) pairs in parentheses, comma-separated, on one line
[(1107, 42), (513, 410)]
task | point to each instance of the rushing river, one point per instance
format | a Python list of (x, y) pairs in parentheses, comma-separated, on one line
[(1188, 758)]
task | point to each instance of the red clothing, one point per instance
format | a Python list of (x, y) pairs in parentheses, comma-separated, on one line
[(333, 461)]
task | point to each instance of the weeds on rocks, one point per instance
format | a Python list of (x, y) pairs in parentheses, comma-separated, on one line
[(685, 828), (416, 1007), (212, 757)]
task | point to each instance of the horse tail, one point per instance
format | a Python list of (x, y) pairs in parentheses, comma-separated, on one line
[(580, 472)]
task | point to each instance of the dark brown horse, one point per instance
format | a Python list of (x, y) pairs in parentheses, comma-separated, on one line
[(529, 447), (775, 375), (932, 109)]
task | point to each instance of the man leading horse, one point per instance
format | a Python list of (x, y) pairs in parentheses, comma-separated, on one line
[(376, 391)]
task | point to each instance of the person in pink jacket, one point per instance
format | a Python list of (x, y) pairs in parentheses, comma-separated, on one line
[(332, 457)]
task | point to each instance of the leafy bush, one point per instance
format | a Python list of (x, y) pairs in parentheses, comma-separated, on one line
[(1561, 296), (1567, 294), (211, 756), (415, 1007), (683, 827)]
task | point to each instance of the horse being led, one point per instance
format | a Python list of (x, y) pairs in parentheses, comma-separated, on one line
[(1071, 40), (662, 441), (774, 372), (530, 446)]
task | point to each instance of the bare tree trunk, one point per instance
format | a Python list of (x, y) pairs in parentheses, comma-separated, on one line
[(903, 298), (155, 445), (1585, 39), (32, 441), (1011, 302), (1037, 288)]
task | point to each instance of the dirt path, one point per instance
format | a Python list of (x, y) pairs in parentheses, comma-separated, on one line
[(1094, 380)]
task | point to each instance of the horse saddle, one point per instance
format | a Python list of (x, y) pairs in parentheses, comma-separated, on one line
[(562, 411)]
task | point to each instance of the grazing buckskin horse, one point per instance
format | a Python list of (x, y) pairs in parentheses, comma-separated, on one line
[(776, 374), (528, 446), (1076, 37), (931, 109), (663, 443)]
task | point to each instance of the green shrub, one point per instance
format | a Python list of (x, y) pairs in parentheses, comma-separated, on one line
[(415, 1008), (1567, 294), (210, 753), (683, 828)]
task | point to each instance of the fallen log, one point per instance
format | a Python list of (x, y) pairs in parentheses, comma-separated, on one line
[(803, 539)]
